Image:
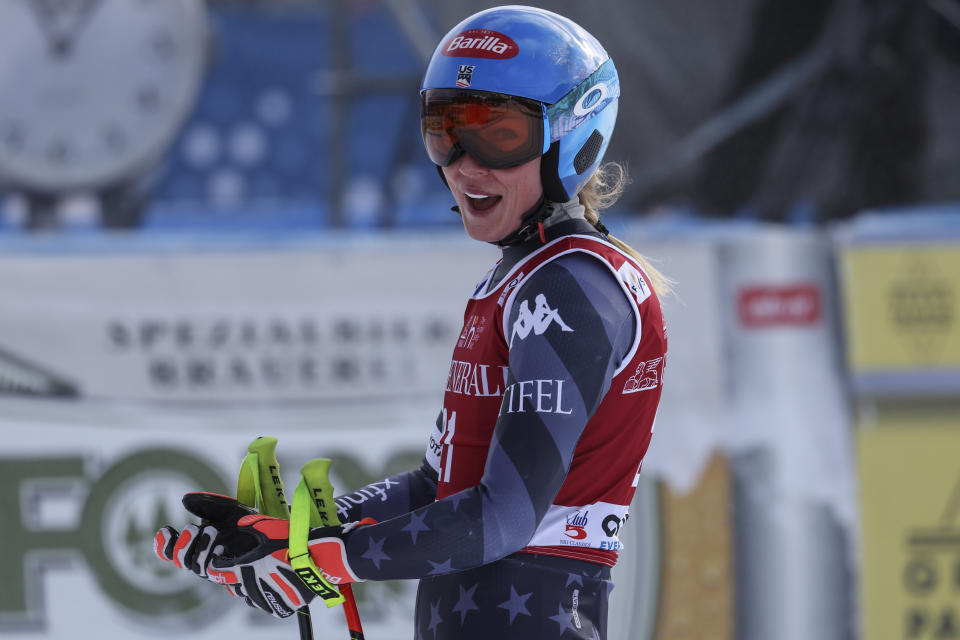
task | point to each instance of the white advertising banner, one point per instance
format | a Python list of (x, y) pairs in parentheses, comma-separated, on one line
[(335, 320)]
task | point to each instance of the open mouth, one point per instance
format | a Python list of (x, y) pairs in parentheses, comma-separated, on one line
[(482, 202)]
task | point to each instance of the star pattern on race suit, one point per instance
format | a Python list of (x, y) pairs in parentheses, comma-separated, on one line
[(416, 525), (440, 567), (516, 604), (465, 604), (435, 618), (574, 578), (563, 618), (375, 553)]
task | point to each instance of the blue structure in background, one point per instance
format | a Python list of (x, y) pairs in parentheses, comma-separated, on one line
[(251, 154), (308, 120), (261, 149)]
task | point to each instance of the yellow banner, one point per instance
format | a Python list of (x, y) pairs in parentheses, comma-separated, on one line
[(910, 496), (902, 307), (697, 582)]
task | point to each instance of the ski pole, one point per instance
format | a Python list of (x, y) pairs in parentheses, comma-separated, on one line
[(313, 506), (261, 487)]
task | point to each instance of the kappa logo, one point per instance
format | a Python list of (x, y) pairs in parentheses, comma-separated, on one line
[(538, 320), (647, 376)]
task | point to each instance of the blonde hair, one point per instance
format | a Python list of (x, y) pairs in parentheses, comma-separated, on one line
[(603, 189)]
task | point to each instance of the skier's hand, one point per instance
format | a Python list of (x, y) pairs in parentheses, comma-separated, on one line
[(193, 548), (250, 553)]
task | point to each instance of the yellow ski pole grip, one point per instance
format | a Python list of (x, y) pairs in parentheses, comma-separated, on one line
[(260, 484), (315, 477), (261, 487), (303, 517)]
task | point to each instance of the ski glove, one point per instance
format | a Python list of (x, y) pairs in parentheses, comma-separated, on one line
[(194, 547), (249, 553), (264, 572)]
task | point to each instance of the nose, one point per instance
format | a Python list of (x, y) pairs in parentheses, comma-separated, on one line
[(469, 166)]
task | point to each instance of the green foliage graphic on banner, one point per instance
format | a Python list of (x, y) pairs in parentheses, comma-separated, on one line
[(121, 510)]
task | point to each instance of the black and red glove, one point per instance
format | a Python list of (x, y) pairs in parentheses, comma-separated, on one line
[(194, 547), (250, 553)]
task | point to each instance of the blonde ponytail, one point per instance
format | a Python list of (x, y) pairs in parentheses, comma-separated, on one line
[(603, 189)]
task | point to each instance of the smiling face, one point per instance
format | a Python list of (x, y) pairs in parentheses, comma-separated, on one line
[(492, 201)]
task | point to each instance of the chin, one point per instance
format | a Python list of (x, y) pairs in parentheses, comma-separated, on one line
[(480, 235)]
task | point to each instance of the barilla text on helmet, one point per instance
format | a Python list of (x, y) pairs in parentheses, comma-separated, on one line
[(481, 43)]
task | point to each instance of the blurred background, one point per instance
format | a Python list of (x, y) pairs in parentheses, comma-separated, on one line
[(217, 221)]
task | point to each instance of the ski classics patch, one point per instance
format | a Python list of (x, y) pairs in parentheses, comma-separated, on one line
[(480, 43), (538, 320)]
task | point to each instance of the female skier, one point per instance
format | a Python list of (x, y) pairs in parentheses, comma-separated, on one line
[(511, 524)]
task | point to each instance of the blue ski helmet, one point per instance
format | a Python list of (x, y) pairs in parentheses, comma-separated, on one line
[(536, 54)]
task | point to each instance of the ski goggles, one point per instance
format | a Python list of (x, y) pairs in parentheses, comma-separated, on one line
[(497, 130)]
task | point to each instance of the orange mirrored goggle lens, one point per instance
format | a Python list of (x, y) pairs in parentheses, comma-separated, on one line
[(498, 131)]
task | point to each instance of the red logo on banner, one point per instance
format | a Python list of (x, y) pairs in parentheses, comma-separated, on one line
[(480, 43), (784, 306)]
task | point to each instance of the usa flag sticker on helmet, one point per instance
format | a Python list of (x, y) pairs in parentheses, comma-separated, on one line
[(465, 75), (480, 43)]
